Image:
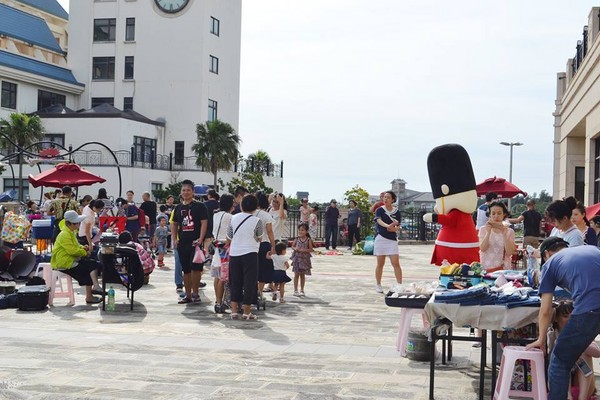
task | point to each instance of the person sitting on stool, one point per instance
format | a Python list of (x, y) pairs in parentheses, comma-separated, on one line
[(72, 258)]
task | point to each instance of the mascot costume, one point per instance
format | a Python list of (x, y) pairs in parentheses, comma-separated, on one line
[(453, 186)]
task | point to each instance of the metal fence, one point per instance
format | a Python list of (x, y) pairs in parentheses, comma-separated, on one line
[(412, 226)]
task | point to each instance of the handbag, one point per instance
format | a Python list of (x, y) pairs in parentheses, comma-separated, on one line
[(199, 257), (212, 248)]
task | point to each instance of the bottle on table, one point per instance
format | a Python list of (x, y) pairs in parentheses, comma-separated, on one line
[(111, 300)]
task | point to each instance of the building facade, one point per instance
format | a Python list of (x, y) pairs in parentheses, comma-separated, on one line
[(139, 76), (577, 119)]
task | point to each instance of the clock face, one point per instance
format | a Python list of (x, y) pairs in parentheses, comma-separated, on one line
[(171, 6)]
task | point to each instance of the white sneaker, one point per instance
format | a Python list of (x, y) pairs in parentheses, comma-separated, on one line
[(302, 293), (297, 294), (378, 289)]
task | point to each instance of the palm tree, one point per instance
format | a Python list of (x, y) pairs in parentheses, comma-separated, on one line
[(216, 147), (261, 161), (22, 130)]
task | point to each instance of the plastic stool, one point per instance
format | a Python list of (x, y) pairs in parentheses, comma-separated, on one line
[(509, 356), (406, 315), (53, 279)]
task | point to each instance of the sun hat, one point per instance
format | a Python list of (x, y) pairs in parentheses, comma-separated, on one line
[(72, 217)]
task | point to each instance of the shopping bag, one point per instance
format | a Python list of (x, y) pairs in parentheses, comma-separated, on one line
[(15, 228), (225, 271), (199, 256)]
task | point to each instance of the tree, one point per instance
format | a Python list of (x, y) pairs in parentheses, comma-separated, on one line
[(174, 189), (216, 147), (361, 197), (22, 130), (253, 181), (260, 161)]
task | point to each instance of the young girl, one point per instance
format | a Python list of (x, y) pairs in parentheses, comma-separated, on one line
[(301, 264), (313, 222), (582, 387), (496, 241), (579, 219), (280, 277)]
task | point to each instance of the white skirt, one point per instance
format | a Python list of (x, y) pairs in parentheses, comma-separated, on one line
[(385, 247)]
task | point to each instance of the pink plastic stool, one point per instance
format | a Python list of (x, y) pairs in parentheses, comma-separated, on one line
[(406, 315), (509, 356), (53, 280)]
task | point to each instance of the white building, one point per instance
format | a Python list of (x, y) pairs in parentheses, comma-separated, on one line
[(167, 69), (577, 119)]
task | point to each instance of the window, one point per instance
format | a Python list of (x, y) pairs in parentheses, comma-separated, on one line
[(144, 148), (179, 152), (212, 110), (128, 67), (9, 95), (579, 182), (46, 99), (127, 103), (155, 187), (13, 184), (105, 29), (214, 64), (130, 29), (58, 138), (215, 26), (96, 101), (103, 68)]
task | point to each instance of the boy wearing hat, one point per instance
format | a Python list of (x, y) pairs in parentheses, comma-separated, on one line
[(575, 269), (72, 258)]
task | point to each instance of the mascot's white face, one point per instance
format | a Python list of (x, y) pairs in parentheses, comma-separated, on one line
[(465, 202)]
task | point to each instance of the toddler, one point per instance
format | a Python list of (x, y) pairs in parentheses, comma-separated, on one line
[(280, 277), (301, 263), (161, 233)]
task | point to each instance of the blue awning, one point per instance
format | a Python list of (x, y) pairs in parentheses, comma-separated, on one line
[(26, 27), (37, 67)]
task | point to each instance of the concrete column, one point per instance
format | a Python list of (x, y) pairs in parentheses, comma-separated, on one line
[(593, 26), (561, 86), (569, 72)]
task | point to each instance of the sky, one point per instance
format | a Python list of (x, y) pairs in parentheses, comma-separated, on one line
[(350, 92)]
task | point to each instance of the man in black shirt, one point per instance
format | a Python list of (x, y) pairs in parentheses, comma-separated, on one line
[(187, 231), (531, 226), (149, 208)]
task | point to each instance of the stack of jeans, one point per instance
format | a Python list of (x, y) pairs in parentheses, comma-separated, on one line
[(482, 295)]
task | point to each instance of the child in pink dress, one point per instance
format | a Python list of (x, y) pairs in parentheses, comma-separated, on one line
[(301, 264)]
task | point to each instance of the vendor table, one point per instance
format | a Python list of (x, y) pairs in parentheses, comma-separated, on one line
[(496, 318)]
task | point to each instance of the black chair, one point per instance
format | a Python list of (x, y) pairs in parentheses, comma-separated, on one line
[(122, 267)]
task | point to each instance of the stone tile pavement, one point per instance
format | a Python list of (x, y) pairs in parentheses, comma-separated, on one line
[(336, 343)]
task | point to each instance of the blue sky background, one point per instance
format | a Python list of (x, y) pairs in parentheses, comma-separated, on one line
[(350, 92)]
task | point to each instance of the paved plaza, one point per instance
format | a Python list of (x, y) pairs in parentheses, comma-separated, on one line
[(336, 343)]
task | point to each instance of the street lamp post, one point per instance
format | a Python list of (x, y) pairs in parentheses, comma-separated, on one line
[(511, 145)]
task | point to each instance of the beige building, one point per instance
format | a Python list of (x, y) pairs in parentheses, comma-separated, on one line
[(577, 119)]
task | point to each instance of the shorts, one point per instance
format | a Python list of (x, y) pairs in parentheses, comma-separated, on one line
[(186, 255), (81, 272), (280, 276), (161, 248)]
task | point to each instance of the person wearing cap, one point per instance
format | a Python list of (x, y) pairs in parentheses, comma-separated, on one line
[(59, 206), (72, 258), (575, 269), (483, 210), (332, 214)]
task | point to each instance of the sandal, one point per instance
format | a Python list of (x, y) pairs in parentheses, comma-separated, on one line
[(249, 317), (281, 301), (235, 316), (274, 297), (185, 300)]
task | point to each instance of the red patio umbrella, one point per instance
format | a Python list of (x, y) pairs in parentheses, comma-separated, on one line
[(65, 174), (499, 185), (592, 210)]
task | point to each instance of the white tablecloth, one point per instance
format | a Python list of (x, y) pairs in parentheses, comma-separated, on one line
[(497, 318)]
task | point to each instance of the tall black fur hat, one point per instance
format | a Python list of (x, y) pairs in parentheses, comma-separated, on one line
[(450, 170)]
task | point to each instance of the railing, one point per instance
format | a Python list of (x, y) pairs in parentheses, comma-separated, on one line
[(412, 226), (163, 162), (580, 52)]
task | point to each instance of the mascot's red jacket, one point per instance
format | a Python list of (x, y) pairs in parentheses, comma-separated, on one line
[(457, 240)]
